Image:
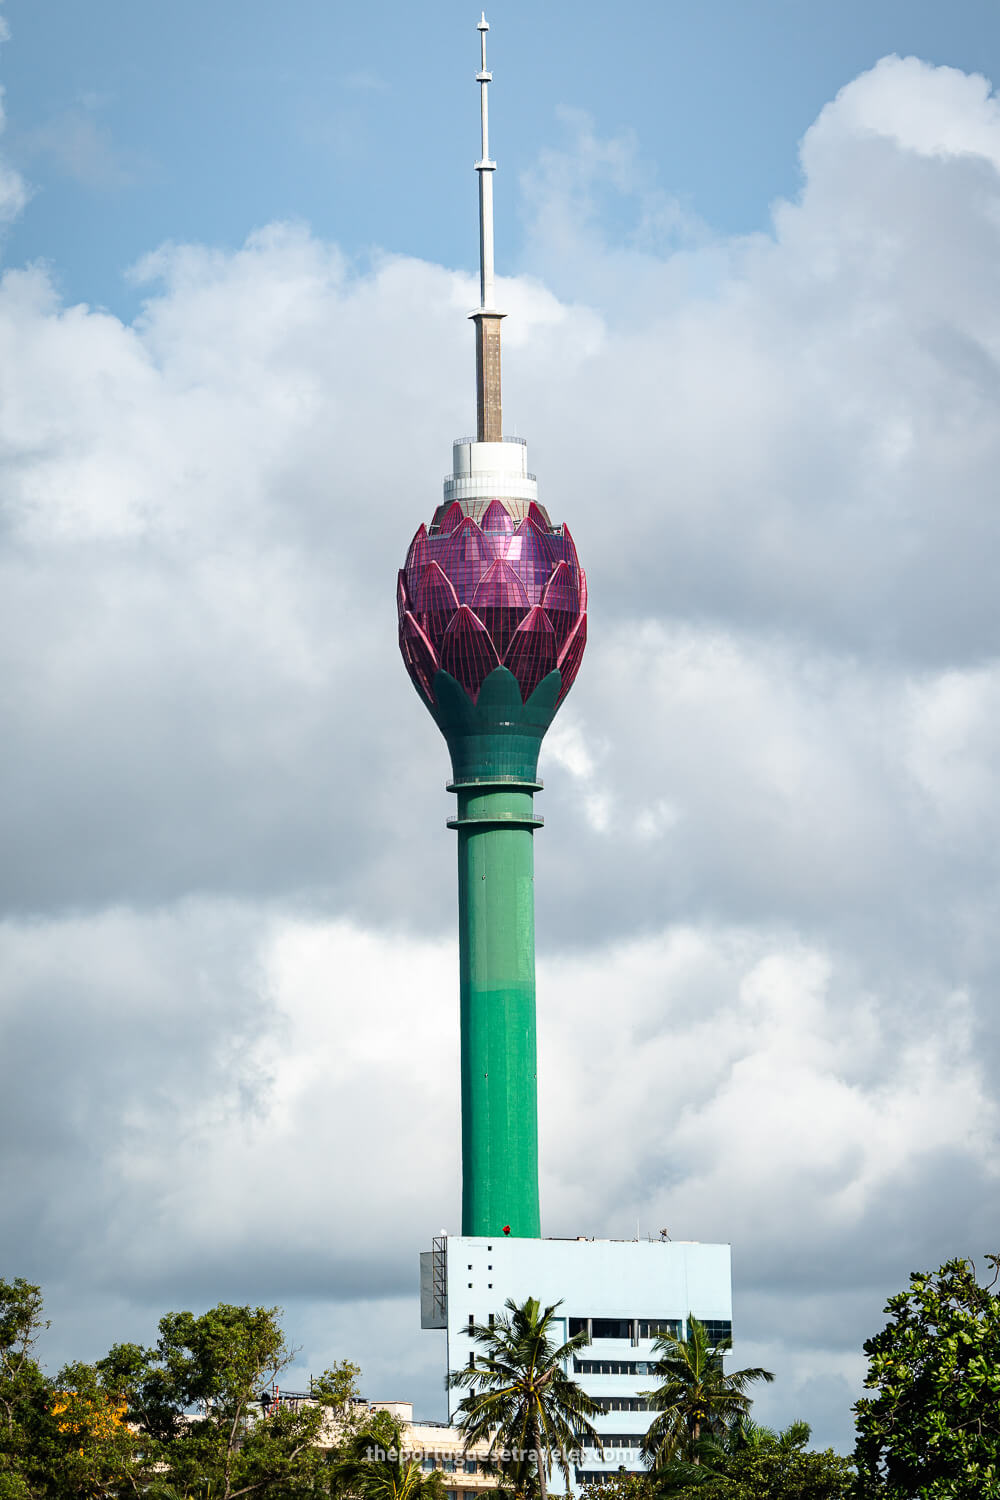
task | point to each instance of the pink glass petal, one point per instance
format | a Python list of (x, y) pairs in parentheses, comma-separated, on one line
[(434, 602), (496, 517), (501, 603), (561, 601), (533, 554), (569, 549), (583, 592), (402, 596), (571, 656), (416, 558), (465, 557), (536, 514), (531, 654), (467, 651), (452, 518), (419, 655)]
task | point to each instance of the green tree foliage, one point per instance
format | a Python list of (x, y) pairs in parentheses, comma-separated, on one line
[(754, 1463), (748, 1437), (24, 1392), (195, 1398), (62, 1438), (521, 1401), (622, 1486), (695, 1400), (769, 1473), (932, 1426), (180, 1421)]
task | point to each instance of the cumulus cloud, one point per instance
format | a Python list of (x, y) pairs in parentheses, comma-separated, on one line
[(227, 955)]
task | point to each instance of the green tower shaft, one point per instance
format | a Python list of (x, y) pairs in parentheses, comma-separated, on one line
[(496, 915), (494, 745)]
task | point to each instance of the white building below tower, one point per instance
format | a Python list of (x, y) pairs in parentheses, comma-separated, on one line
[(622, 1292)]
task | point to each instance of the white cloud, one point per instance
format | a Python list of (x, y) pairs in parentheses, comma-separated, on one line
[(767, 889)]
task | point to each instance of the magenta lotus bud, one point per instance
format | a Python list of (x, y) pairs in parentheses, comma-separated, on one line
[(477, 595)]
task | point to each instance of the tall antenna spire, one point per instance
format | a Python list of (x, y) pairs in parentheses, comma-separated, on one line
[(485, 168), (487, 318)]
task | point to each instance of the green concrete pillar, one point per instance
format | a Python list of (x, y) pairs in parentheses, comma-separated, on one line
[(496, 917)]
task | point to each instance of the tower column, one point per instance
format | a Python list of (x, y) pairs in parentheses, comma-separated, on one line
[(496, 917), (489, 410)]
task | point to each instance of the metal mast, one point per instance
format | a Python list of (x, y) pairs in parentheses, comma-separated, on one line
[(489, 417)]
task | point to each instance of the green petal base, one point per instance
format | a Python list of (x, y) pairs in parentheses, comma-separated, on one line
[(498, 737)]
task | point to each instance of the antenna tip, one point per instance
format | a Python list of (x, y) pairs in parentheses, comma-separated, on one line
[(484, 25)]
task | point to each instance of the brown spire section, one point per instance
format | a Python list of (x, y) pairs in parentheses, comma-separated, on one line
[(489, 408)]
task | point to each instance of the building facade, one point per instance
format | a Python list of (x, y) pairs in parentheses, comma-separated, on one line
[(621, 1293)]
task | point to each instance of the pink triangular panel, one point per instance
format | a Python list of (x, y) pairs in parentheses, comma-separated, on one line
[(416, 558), (501, 603), (569, 549), (536, 514), (465, 557), (496, 517), (467, 651), (434, 602), (452, 518), (534, 557), (583, 592), (561, 601), (571, 656), (531, 654), (500, 588), (419, 655)]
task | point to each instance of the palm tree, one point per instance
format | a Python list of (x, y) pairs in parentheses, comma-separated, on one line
[(746, 1436), (696, 1400), (521, 1401), (374, 1466)]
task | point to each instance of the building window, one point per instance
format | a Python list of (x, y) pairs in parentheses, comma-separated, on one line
[(448, 1465), (610, 1328), (579, 1325), (469, 1465), (651, 1328), (614, 1440), (614, 1367), (622, 1403), (428, 1464)]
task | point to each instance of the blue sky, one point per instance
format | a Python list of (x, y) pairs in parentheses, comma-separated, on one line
[(752, 275), (137, 123)]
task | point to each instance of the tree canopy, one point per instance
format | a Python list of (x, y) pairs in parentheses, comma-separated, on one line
[(182, 1418), (932, 1425)]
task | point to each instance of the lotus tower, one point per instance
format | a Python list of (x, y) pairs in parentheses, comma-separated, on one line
[(492, 626)]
